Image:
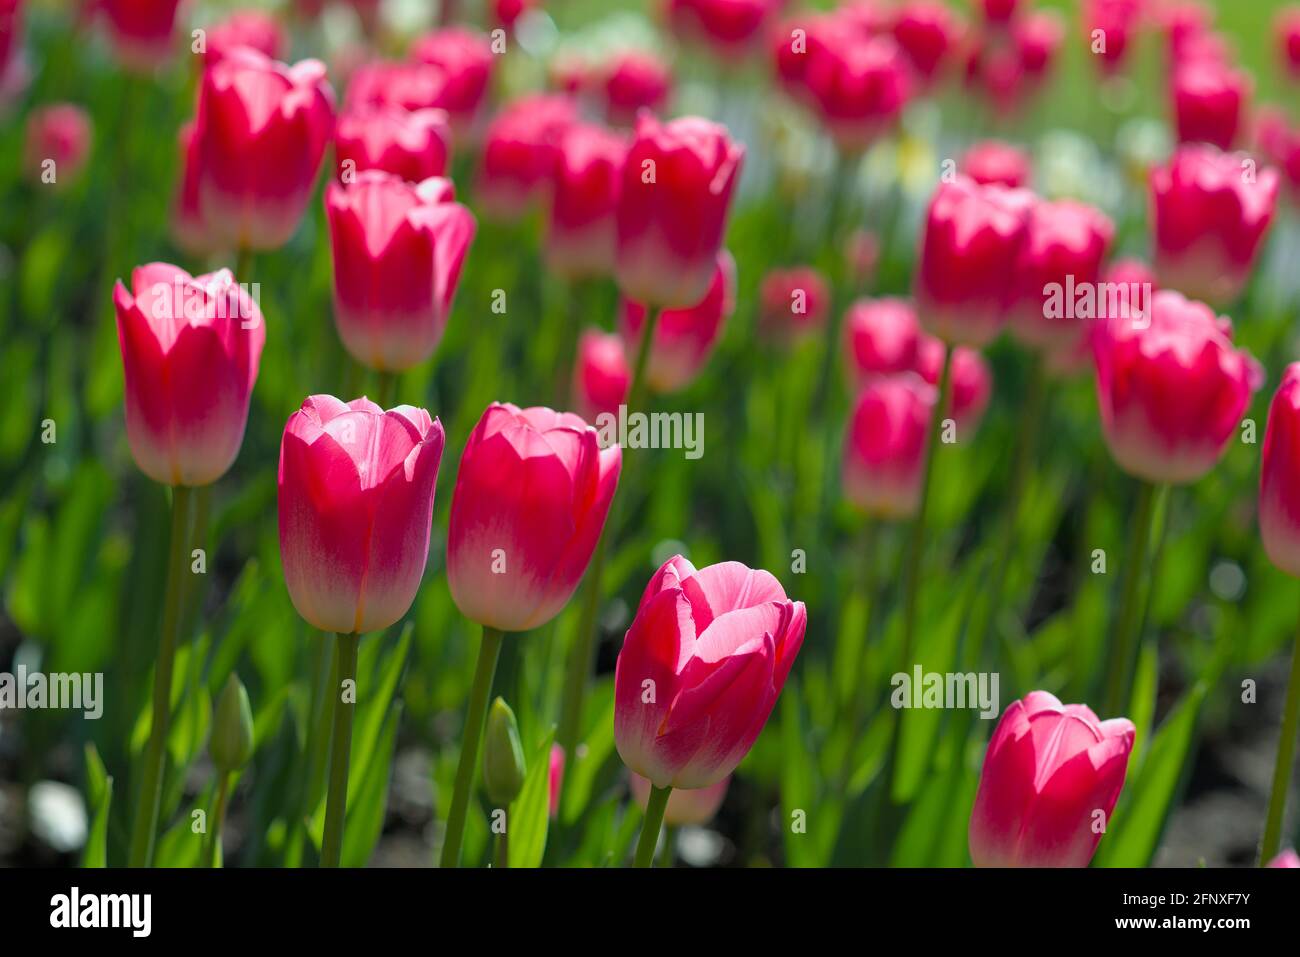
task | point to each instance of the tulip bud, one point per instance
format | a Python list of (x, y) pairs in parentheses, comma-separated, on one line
[(687, 807), (601, 376), (356, 507), (677, 183), (1211, 100), (141, 31), (700, 670), (858, 86), (261, 129), (1279, 476), (683, 338), (59, 133), (412, 144), (530, 502), (580, 233), (972, 239), (633, 82), (994, 162), (503, 755), (190, 352), (245, 28), (231, 743), (520, 152), (1052, 774), (398, 250), (1181, 349), (1211, 212), (885, 445), (880, 337), (793, 303), (464, 58)]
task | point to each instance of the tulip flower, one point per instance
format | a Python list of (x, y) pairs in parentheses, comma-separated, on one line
[(1286, 27), (1279, 143), (793, 303), (190, 352), (700, 670), (531, 497), (58, 143), (356, 490), (1051, 772), (520, 152), (972, 239), (970, 382), (401, 84), (677, 183), (141, 31), (245, 28), (730, 28), (994, 162), (881, 336), (1210, 102), (1116, 20), (632, 82), (1037, 37), (601, 375), (858, 87), (187, 225), (928, 34), (1126, 290), (1065, 245), (1279, 527), (398, 251), (11, 28), (686, 807), (580, 236), (1287, 858), (1211, 211), (412, 144), (999, 11), (464, 58), (683, 339), (885, 445), (261, 132)]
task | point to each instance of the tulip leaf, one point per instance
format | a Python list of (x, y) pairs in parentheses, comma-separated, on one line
[(99, 797), (368, 795), (530, 814)]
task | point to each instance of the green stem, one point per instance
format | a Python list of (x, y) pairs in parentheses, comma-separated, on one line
[(654, 818), (336, 799), (502, 857), (387, 389), (488, 653), (1272, 841), (1129, 616), (639, 387), (669, 858), (218, 819), (150, 796), (244, 264)]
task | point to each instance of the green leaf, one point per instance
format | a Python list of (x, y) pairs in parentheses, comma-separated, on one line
[(368, 796), (99, 796), (530, 814)]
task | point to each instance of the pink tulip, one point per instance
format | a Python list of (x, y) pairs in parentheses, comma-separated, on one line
[(1051, 775), (61, 133), (1279, 476), (884, 445), (1211, 100), (971, 382), (1037, 38), (1066, 243), (672, 209), (1286, 26), (1117, 20), (1129, 285), (793, 303), (994, 162), (601, 375), (401, 84), (464, 57), (687, 807), (189, 229), (190, 351), (580, 237), (410, 144), (633, 82), (683, 338), (1171, 387), (520, 152), (356, 507), (1279, 143), (700, 670), (881, 336), (858, 87), (999, 11), (730, 27), (1183, 22), (141, 31), (261, 129), (972, 239), (398, 251), (928, 34), (11, 30), (245, 28), (1211, 211), (1287, 858), (531, 497)]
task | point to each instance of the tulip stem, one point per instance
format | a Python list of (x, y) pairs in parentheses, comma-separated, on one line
[(218, 820), (1129, 619), (387, 389), (151, 783), (578, 667), (1272, 840), (244, 264), (639, 387), (336, 797), (488, 653), (654, 819), (502, 857)]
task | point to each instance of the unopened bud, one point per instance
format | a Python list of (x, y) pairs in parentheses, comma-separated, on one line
[(503, 755)]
